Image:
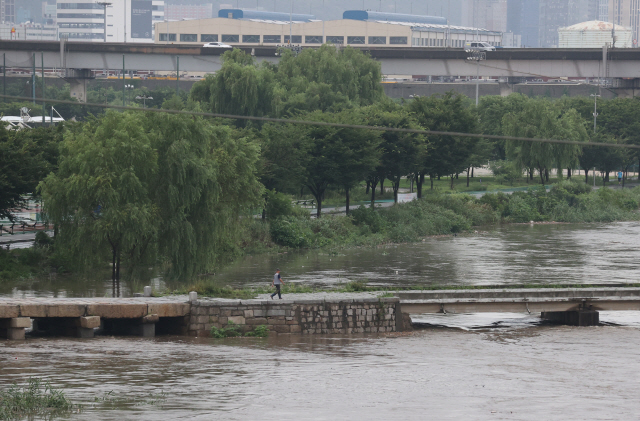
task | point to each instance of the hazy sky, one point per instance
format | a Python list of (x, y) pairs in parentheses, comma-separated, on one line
[(323, 9)]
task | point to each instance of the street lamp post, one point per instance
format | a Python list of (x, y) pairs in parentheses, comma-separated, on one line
[(595, 110), (144, 99), (477, 56), (104, 5), (128, 88)]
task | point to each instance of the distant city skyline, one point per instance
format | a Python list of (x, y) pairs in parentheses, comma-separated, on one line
[(536, 21)]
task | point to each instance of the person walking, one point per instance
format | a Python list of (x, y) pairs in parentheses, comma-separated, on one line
[(619, 177), (277, 281)]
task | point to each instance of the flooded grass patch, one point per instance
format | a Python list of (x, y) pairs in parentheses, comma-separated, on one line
[(34, 399)]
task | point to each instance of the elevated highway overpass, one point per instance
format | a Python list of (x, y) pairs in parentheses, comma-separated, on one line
[(503, 63)]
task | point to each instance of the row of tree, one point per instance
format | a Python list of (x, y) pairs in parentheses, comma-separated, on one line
[(173, 187)]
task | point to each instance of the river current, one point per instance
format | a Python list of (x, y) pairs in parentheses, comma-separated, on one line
[(458, 367)]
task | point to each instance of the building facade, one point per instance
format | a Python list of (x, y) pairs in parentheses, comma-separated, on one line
[(125, 20), (237, 32), (188, 11), (488, 14), (626, 13), (9, 11)]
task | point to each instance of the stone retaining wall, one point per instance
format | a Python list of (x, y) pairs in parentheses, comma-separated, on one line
[(300, 317)]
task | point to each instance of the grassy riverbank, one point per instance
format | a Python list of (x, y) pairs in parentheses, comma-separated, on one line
[(443, 214)]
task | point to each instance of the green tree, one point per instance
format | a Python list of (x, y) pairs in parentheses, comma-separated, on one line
[(138, 183), (402, 153), (491, 110), (100, 196), (206, 181), (356, 151), (543, 119), (449, 155), (26, 157), (338, 156), (324, 79)]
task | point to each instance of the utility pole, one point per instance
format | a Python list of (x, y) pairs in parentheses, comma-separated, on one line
[(595, 110), (104, 5), (33, 79), (44, 110), (477, 56), (291, 23)]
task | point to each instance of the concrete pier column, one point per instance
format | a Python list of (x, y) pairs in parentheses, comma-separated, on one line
[(86, 325), (14, 328), (146, 326), (573, 318)]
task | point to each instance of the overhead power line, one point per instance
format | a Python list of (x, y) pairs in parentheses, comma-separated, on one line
[(324, 123)]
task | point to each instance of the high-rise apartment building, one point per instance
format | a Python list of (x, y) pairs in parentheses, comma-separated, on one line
[(9, 9), (523, 18), (487, 14), (125, 20), (626, 13), (538, 21)]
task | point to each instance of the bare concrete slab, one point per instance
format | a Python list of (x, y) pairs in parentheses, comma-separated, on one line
[(9, 311), (117, 311), (52, 310), (169, 309)]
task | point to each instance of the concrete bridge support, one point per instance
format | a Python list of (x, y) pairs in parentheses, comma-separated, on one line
[(14, 328), (77, 327), (573, 318)]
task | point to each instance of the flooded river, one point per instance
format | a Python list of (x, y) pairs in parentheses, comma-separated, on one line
[(459, 367), (511, 254), (521, 371)]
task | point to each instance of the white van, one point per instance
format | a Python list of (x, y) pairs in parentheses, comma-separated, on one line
[(479, 46)]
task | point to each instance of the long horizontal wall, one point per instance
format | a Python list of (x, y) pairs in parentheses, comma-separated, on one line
[(301, 316)]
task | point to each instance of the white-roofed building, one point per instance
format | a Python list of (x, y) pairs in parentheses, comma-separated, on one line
[(594, 34), (256, 32)]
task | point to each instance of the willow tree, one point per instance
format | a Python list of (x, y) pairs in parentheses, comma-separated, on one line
[(326, 79), (207, 180), (545, 120), (100, 197), (136, 184)]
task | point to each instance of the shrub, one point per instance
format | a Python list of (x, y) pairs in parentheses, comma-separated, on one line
[(369, 217), (291, 232), (259, 332), (42, 239), (278, 204), (225, 332), (520, 209)]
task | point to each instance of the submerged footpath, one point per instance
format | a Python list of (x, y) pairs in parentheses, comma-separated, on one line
[(182, 315)]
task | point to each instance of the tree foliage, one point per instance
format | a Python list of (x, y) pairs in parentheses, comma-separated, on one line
[(26, 157), (140, 183), (545, 120)]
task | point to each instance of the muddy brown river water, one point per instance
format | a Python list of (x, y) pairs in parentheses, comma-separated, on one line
[(514, 373), (460, 367)]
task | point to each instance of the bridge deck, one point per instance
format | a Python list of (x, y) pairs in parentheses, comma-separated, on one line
[(112, 308), (508, 62), (520, 300)]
